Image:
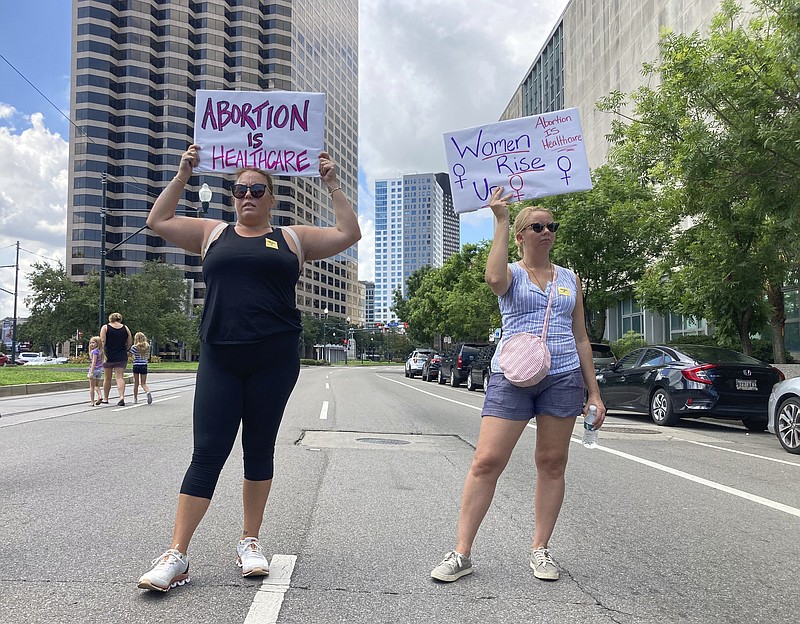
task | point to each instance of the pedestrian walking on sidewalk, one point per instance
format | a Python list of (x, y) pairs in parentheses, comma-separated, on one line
[(251, 270), (117, 340), (95, 373), (523, 289), (141, 354)]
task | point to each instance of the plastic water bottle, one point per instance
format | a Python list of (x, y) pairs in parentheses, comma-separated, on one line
[(590, 434)]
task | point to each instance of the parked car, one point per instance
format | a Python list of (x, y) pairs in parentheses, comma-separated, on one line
[(39, 360), (602, 355), (481, 368), (784, 414), (456, 362), (430, 369), (3, 359), (416, 360), (25, 356), (690, 381)]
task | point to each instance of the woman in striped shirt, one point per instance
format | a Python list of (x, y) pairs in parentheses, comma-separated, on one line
[(523, 290)]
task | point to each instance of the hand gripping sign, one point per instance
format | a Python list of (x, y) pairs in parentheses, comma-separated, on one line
[(280, 132), (530, 157)]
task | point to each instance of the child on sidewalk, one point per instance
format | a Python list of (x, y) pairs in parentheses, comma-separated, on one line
[(141, 353), (95, 374)]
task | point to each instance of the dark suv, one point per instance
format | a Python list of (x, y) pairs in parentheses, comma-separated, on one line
[(481, 368), (456, 362)]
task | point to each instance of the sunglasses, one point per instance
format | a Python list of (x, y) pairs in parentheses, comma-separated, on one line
[(539, 227), (256, 190)]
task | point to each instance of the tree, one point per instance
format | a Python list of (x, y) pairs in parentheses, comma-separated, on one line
[(721, 134), (51, 320), (609, 236)]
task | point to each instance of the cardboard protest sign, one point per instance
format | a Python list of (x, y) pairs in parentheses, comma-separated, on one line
[(530, 157), (280, 132)]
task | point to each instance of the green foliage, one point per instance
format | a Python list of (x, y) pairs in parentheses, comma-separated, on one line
[(609, 235), (152, 301), (450, 300), (698, 339), (630, 341)]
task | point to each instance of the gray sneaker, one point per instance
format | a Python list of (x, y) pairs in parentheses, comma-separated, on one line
[(452, 567), (543, 565)]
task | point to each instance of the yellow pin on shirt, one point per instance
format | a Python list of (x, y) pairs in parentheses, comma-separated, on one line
[(563, 290), (270, 243)]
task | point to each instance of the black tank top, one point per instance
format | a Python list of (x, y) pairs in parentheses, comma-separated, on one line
[(250, 288), (116, 345)]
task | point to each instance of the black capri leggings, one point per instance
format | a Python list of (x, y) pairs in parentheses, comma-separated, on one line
[(247, 383)]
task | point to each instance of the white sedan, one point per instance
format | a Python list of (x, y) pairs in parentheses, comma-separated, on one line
[(44, 359), (784, 414)]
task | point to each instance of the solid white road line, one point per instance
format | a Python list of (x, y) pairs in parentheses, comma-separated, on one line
[(323, 415), (266, 605), (144, 403), (678, 473), (712, 484), (730, 450)]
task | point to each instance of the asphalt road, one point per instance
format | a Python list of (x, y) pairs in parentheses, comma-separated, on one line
[(696, 523)]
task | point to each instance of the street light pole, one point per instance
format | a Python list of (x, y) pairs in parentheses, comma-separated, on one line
[(101, 320)]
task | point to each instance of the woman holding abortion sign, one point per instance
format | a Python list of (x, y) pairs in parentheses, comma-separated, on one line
[(250, 270), (537, 299)]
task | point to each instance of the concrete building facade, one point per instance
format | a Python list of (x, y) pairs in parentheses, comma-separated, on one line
[(593, 49), (136, 66)]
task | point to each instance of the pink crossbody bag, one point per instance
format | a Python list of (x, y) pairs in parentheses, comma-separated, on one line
[(525, 358)]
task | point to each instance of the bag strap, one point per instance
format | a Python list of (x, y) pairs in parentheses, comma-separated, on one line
[(549, 302)]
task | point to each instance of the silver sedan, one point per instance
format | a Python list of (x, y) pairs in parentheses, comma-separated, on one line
[(784, 414)]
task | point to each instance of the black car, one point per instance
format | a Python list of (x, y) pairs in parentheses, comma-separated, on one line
[(690, 381), (456, 362), (430, 369), (481, 368)]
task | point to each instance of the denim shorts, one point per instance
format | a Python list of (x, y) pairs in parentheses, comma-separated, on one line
[(556, 395), (97, 373)]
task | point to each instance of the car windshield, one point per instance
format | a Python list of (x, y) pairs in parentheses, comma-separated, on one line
[(601, 350), (716, 355)]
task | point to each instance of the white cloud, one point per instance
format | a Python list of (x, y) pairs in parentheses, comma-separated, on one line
[(33, 203), (427, 67)]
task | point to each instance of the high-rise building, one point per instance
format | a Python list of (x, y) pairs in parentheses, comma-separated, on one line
[(367, 314), (135, 69), (451, 226), (410, 227)]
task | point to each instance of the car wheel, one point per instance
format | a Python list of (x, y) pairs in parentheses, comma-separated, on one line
[(787, 425), (661, 409), (453, 378), (485, 380), (406, 372), (440, 379), (755, 424), (470, 383), (424, 377)]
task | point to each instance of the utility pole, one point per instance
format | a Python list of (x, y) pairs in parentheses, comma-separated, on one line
[(16, 292), (102, 318)]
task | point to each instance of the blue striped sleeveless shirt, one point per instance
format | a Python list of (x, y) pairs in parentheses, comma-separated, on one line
[(523, 307)]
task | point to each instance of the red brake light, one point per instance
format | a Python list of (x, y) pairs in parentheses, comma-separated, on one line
[(698, 373), (460, 363), (781, 376)]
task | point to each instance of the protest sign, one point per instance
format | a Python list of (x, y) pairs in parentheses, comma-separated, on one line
[(280, 132), (530, 157)]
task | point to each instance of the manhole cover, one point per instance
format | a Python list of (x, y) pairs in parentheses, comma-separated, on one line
[(612, 429), (382, 441)]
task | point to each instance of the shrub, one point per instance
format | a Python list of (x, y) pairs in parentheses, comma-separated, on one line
[(630, 341), (315, 362)]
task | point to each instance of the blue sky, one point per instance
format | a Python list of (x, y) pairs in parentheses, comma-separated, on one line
[(434, 65)]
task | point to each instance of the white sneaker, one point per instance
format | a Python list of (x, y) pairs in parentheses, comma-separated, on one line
[(250, 558), (170, 570)]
